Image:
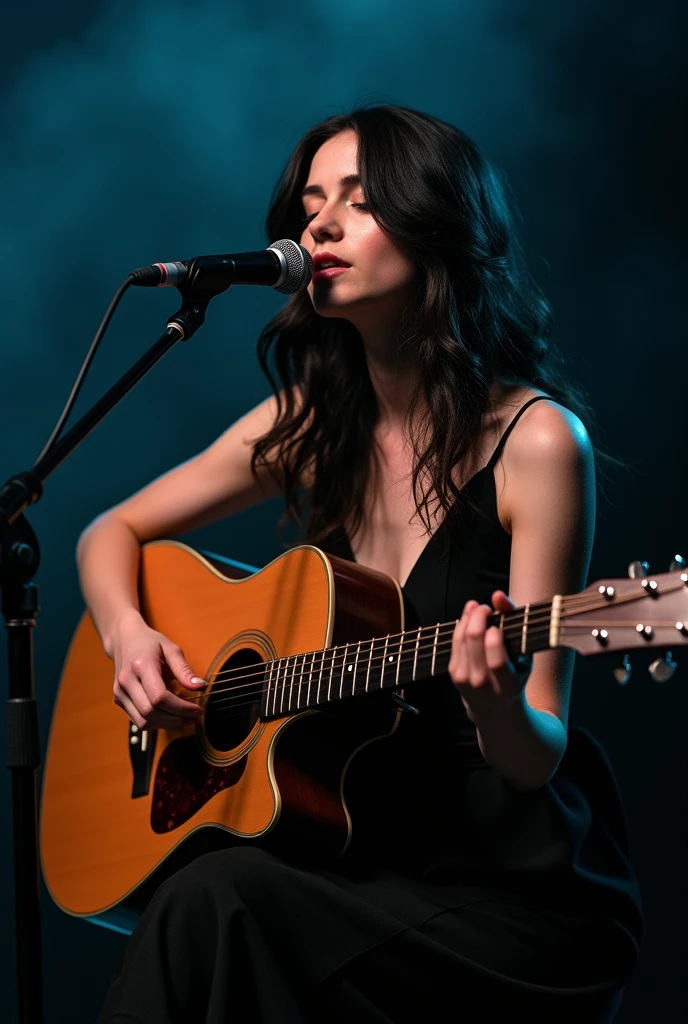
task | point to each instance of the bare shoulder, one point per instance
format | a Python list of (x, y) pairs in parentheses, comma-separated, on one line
[(548, 466), (548, 434)]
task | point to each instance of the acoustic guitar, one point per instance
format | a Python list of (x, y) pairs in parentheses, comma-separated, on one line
[(307, 634)]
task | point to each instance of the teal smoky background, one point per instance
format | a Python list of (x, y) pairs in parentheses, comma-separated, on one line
[(138, 132)]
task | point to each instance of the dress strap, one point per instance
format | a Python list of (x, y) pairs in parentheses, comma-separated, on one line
[(503, 439)]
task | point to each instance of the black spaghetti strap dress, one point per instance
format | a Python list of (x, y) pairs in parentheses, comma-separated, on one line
[(460, 898)]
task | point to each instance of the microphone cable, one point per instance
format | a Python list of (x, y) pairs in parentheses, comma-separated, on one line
[(100, 333)]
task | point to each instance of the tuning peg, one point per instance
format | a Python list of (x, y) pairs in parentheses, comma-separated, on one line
[(677, 564), (662, 669), (637, 570), (623, 672)]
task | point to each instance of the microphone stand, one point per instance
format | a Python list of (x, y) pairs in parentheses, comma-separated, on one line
[(19, 561)]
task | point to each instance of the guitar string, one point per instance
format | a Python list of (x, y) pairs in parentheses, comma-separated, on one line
[(511, 629), (331, 654), (393, 640), (330, 665), (238, 700)]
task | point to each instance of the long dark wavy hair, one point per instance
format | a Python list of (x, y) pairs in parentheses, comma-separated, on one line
[(476, 317)]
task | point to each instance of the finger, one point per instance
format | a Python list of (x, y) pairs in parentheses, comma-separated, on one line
[(153, 695), (497, 660), (475, 645), (182, 671), (458, 664), (155, 720), (123, 701), (501, 602)]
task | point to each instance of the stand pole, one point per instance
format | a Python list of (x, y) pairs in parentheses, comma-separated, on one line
[(20, 606)]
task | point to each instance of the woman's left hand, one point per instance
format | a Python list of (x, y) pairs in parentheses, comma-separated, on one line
[(479, 666)]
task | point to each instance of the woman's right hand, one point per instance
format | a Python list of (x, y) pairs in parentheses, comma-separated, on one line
[(145, 662)]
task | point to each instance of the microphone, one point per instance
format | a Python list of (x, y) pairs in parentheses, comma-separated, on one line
[(285, 266)]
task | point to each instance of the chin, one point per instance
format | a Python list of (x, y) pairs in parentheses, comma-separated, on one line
[(328, 305), (332, 310)]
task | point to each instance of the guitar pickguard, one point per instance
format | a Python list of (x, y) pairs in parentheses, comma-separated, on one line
[(184, 782)]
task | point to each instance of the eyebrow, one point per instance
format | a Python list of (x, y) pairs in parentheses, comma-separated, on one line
[(318, 190)]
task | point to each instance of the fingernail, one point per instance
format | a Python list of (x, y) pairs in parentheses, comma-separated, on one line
[(198, 681)]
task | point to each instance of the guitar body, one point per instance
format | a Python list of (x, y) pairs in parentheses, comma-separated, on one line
[(122, 809)]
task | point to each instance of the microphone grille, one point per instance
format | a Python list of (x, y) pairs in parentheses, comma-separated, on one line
[(299, 266)]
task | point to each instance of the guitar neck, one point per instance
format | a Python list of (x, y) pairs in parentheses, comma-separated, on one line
[(611, 615)]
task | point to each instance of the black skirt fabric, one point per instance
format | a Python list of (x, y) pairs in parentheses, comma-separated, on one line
[(240, 935)]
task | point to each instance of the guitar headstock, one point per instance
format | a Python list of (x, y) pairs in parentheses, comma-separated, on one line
[(624, 614)]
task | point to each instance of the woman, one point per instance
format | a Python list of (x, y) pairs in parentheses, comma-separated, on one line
[(488, 869)]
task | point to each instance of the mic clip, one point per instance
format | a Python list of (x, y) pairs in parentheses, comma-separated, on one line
[(206, 277), (189, 318)]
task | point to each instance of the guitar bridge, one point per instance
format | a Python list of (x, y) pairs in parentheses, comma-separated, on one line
[(141, 751)]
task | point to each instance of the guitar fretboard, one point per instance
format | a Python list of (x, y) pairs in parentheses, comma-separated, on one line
[(315, 678)]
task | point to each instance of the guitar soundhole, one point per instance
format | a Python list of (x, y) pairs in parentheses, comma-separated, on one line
[(234, 703)]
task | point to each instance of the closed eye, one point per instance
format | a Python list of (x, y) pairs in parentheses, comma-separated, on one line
[(305, 221)]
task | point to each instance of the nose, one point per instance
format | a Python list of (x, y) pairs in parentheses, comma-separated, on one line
[(325, 226)]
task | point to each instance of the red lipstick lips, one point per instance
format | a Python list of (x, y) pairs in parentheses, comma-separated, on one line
[(326, 265)]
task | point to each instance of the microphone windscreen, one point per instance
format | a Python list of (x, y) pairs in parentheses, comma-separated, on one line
[(299, 266)]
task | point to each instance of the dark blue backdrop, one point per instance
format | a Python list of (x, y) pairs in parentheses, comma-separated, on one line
[(136, 132)]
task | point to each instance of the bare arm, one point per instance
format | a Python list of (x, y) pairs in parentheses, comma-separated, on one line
[(549, 499), (214, 484)]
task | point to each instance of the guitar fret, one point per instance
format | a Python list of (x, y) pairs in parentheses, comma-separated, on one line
[(555, 620), (434, 649), (306, 680), (384, 662), (292, 680), (310, 676), (415, 655), (401, 640), (267, 696), (286, 695), (282, 687), (266, 688), (353, 681), (524, 631), (299, 683), (322, 663), (283, 690), (291, 684), (329, 685), (341, 681), (370, 659)]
